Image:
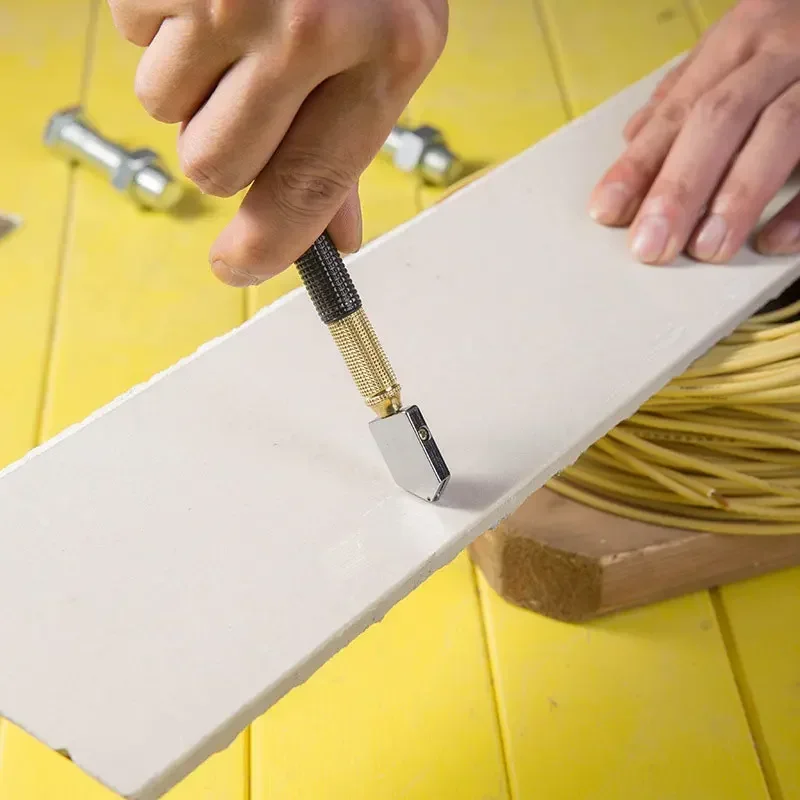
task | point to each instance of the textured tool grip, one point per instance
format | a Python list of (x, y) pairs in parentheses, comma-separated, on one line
[(327, 281)]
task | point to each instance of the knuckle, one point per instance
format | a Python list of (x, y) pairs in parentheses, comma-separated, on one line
[(152, 98), (783, 114), (308, 184), (123, 21), (674, 112), (661, 91), (637, 168), (672, 195), (312, 24), (201, 167), (680, 190), (414, 40), (667, 82), (735, 197), (722, 106), (222, 14)]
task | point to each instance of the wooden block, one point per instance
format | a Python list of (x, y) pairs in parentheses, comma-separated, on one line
[(560, 558), (173, 605)]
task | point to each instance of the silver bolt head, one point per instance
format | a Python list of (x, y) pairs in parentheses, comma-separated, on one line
[(57, 122)]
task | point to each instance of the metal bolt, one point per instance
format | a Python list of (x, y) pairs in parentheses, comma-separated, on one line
[(423, 434), (423, 150), (137, 173)]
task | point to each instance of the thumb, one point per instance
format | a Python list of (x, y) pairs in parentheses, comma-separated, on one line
[(346, 228)]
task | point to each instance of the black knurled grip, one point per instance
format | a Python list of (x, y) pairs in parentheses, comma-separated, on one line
[(327, 281)]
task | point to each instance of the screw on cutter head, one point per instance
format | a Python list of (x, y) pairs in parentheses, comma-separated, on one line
[(411, 454)]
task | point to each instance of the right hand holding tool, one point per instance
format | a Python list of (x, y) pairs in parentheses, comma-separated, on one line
[(295, 97)]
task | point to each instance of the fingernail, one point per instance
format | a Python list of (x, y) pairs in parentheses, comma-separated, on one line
[(233, 276), (710, 237), (783, 238), (650, 240), (609, 202)]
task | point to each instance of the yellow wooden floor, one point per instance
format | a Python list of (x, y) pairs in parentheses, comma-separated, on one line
[(455, 695)]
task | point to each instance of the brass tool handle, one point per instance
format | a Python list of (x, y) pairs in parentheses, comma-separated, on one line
[(338, 304)]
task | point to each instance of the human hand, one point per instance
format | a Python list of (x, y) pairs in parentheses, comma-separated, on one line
[(295, 97), (717, 141)]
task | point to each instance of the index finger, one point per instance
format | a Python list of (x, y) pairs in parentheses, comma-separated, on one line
[(317, 165)]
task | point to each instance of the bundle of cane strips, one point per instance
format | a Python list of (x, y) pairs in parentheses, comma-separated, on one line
[(717, 450)]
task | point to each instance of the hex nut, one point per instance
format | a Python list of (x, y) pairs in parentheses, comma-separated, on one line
[(423, 150), (429, 135), (408, 154), (413, 145), (130, 166)]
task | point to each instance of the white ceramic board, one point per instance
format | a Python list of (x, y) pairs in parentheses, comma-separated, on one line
[(173, 566)]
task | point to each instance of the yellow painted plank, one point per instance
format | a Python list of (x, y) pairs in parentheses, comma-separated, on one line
[(641, 705), (406, 711), (41, 44), (138, 293), (28, 771), (763, 621), (602, 47), (136, 296), (493, 92)]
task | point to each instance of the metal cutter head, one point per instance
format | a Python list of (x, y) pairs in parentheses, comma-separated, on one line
[(411, 454)]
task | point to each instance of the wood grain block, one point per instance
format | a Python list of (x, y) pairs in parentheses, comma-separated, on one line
[(159, 604), (570, 562)]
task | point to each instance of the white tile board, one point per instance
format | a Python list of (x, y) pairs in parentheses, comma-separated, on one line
[(173, 566)]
